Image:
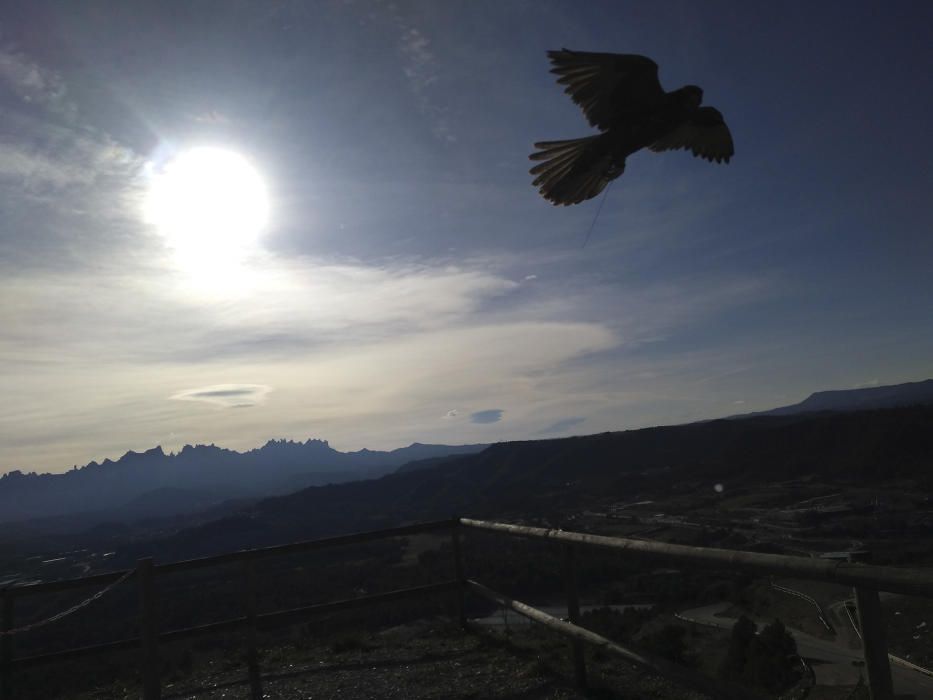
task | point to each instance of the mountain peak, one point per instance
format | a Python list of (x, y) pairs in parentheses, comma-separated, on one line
[(281, 443)]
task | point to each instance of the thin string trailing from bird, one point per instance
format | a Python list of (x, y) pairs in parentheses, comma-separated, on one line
[(598, 210)]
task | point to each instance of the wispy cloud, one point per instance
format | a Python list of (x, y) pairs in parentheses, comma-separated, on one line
[(490, 415), (78, 162), (34, 83), (278, 310), (66, 189), (210, 116), (563, 425), (226, 395), (420, 68)]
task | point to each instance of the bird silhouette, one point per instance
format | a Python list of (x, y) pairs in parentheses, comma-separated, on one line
[(620, 95)]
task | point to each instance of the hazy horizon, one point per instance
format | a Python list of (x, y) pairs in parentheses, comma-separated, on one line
[(565, 431), (394, 277)]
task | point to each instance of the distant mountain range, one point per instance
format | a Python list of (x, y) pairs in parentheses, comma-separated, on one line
[(216, 482), (551, 478), (892, 396), (153, 483)]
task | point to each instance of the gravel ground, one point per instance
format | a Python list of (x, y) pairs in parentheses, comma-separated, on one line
[(431, 660), (419, 662)]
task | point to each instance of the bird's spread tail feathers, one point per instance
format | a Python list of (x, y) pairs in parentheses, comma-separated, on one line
[(574, 170)]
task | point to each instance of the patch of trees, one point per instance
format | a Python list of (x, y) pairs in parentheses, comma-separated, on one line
[(615, 625), (669, 642), (765, 660)]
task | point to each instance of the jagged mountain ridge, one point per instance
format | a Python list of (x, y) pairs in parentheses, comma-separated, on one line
[(206, 473), (543, 477)]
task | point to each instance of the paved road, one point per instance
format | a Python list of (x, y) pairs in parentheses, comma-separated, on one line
[(832, 662)]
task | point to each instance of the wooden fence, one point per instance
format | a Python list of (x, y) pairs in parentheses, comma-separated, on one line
[(866, 580), (146, 575)]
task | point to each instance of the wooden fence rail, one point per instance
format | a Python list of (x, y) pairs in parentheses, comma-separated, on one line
[(866, 579), (662, 667), (146, 574), (880, 578)]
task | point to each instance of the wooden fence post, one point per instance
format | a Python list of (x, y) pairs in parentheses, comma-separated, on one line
[(458, 572), (6, 647), (573, 613), (874, 647), (148, 631), (252, 651)]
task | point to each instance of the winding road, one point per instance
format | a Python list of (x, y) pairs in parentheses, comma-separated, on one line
[(832, 661)]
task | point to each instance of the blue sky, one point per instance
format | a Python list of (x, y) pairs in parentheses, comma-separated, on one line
[(410, 284)]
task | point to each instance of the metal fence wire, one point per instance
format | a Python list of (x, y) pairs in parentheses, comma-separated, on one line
[(65, 613)]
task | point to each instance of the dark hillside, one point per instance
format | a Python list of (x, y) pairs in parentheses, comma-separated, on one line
[(547, 477)]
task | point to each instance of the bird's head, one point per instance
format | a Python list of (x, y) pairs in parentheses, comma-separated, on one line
[(691, 95)]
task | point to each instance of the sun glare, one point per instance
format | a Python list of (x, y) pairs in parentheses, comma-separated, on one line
[(211, 206)]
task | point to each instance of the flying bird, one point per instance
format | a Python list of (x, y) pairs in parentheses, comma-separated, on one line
[(620, 95)]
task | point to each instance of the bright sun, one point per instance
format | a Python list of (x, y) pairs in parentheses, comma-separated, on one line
[(211, 206)]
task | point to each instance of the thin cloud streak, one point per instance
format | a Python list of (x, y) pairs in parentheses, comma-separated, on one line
[(421, 72), (563, 425), (294, 306)]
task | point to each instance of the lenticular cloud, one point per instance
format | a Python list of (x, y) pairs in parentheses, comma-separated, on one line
[(227, 395)]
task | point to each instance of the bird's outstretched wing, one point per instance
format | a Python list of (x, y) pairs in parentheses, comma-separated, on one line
[(574, 170), (607, 86), (705, 133)]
